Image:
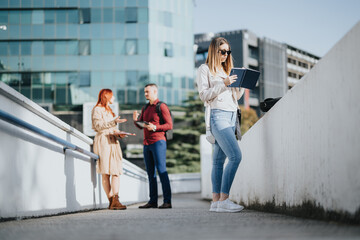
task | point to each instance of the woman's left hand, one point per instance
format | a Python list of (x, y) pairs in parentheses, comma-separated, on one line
[(119, 120), (117, 134), (229, 80)]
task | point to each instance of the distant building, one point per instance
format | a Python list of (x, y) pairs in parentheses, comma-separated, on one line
[(63, 52), (280, 65)]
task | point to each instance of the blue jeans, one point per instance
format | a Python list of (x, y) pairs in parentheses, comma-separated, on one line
[(155, 156), (222, 125)]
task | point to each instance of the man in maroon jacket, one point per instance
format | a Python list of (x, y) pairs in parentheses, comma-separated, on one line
[(155, 146)]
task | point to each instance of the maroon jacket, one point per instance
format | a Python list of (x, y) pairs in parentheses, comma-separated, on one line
[(151, 116)]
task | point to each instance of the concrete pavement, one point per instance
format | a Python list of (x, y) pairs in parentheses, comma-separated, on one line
[(189, 219)]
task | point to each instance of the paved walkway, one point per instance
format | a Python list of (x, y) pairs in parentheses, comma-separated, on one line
[(189, 219)]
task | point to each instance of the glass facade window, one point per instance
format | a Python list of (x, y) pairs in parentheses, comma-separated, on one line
[(61, 16), (108, 47), (183, 82), (143, 79), (143, 46), (3, 17), (131, 15), (168, 49), (84, 15), (49, 47), (107, 80), (96, 47), (84, 48), (168, 79), (60, 48), (26, 48), (119, 47), (73, 17), (14, 17), (167, 17), (25, 17), (131, 46), (120, 15), (3, 48), (38, 17), (108, 15), (143, 15), (96, 15), (121, 96), (84, 79), (14, 48), (25, 3), (72, 48), (131, 78), (49, 16), (131, 96)]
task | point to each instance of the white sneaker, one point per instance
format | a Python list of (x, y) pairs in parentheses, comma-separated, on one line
[(214, 206), (228, 206)]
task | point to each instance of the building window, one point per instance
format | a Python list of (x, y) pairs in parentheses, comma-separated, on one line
[(131, 78), (14, 48), (167, 18), (25, 17), (49, 47), (96, 15), (3, 17), (107, 15), (120, 15), (121, 96), (131, 15), (26, 48), (49, 16), (3, 48), (131, 46), (168, 49), (84, 47), (253, 52), (14, 17), (84, 79), (38, 17), (84, 15), (131, 96), (291, 74), (168, 80)]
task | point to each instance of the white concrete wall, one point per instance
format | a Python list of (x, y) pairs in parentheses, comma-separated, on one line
[(37, 178), (307, 147)]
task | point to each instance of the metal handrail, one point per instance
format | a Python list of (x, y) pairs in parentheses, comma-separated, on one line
[(18, 122)]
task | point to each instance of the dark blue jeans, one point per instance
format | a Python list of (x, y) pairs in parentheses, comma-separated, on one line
[(155, 157)]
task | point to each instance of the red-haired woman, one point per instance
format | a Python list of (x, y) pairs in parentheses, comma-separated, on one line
[(107, 147)]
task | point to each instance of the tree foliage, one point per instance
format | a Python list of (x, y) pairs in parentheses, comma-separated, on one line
[(183, 152)]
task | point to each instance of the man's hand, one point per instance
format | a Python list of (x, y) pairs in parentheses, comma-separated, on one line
[(135, 115), (150, 127)]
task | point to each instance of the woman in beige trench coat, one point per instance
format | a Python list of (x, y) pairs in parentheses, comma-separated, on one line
[(107, 147)]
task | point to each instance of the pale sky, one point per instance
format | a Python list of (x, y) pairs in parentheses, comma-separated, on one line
[(314, 26)]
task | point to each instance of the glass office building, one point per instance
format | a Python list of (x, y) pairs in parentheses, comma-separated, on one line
[(64, 51)]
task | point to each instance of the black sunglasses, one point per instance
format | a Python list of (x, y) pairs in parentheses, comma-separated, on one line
[(224, 51)]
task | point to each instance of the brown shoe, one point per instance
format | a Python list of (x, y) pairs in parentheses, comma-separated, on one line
[(149, 205), (110, 201), (115, 204), (165, 205)]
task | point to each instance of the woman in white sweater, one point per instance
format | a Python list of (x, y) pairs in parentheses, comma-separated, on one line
[(213, 80)]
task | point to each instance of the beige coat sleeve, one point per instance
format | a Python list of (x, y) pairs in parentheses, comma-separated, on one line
[(98, 121), (206, 92)]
